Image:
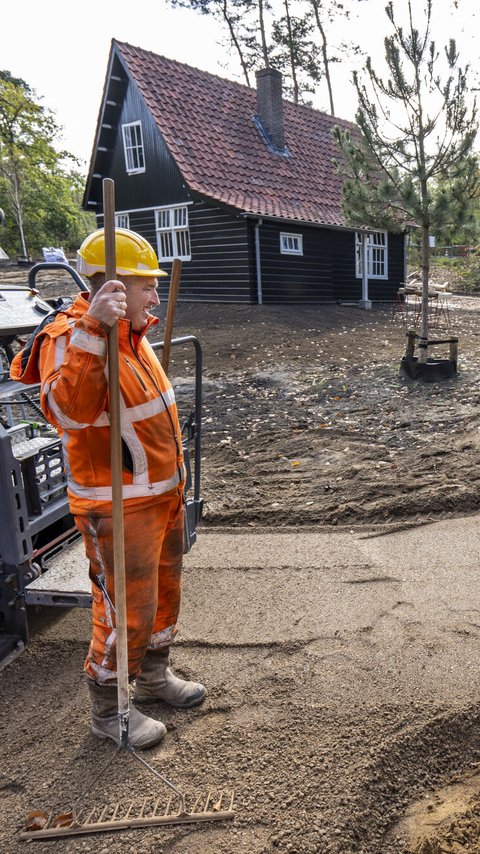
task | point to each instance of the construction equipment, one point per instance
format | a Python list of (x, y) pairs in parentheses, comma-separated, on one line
[(36, 526)]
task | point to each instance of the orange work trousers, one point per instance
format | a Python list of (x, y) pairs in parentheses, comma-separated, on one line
[(153, 567)]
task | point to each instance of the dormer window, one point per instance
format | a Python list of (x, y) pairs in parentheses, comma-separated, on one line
[(133, 147)]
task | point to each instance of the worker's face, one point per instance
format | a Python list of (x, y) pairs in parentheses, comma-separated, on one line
[(141, 298)]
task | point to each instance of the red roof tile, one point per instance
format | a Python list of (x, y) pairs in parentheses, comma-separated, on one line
[(207, 123)]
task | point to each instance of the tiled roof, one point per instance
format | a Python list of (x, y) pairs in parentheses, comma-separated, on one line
[(207, 123)]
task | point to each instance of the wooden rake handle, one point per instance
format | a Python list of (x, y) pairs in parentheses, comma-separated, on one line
[(116, 466), (172, 302)]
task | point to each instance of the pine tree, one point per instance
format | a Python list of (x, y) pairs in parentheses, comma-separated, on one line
[(413, 162), (290, 35), (295, 54), (245, 27)]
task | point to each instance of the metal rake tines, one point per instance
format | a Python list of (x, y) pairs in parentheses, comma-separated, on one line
[(223, 804), (129, 814)]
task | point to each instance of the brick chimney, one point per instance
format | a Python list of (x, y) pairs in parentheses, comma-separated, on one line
[(269, 105)]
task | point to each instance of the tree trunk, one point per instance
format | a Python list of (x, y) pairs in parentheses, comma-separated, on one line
[(235, 41), (423, 354), (292, 55), (22, 235), (326, 64), (18, 213), (262, 35)]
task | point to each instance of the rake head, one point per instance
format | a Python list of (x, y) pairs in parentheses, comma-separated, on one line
[(129, 814)]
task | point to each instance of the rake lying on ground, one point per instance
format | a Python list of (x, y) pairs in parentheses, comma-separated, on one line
[(129, 814)]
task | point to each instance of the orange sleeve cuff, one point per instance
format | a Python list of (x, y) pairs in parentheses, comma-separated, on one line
[(93, 326)]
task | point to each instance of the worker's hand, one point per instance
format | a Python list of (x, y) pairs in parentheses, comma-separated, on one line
[(109, 303)]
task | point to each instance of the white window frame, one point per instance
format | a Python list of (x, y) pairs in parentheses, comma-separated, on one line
[(377, 255), (133, 148), (122, 220), (291, 244), (173, 233)]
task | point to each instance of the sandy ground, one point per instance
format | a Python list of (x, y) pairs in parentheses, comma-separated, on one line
[(342, 707), (331, 604)]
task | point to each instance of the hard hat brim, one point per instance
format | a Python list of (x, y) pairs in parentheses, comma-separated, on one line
[(135, 255)]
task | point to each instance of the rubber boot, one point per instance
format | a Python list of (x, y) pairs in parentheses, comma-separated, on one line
[(157, 682), (142, 731)]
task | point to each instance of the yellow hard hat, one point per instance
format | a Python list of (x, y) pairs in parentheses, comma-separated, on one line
[(135, 256)]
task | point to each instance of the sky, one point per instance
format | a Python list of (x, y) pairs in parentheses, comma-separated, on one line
[(62, 53)]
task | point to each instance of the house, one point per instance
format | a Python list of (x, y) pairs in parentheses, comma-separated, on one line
[(238, 183)]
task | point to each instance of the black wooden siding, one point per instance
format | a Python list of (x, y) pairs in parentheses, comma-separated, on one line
[(161, 183), (220, 269), (326, 270), (348, 287), (223, 263), (296, 278), (386, 291)]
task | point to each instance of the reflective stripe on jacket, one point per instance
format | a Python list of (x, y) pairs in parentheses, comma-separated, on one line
[(69, 357)]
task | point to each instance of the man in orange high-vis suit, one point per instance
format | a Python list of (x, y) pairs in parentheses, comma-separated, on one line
[(68, 355)]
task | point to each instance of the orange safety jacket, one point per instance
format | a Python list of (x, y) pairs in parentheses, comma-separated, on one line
[(67, 354)]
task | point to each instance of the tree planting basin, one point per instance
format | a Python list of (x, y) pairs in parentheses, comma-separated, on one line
[(432, 371)]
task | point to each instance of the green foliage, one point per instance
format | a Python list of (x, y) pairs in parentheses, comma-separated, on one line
[(471, 272), (445, 262), (40, 187), (413, 161), (296, 55), (17, 81)]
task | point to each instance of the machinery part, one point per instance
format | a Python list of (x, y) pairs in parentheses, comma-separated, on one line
[(135, 256), (54, 265), (33, 405)]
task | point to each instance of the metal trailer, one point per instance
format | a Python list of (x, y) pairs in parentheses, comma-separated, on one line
[(36, 526)]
